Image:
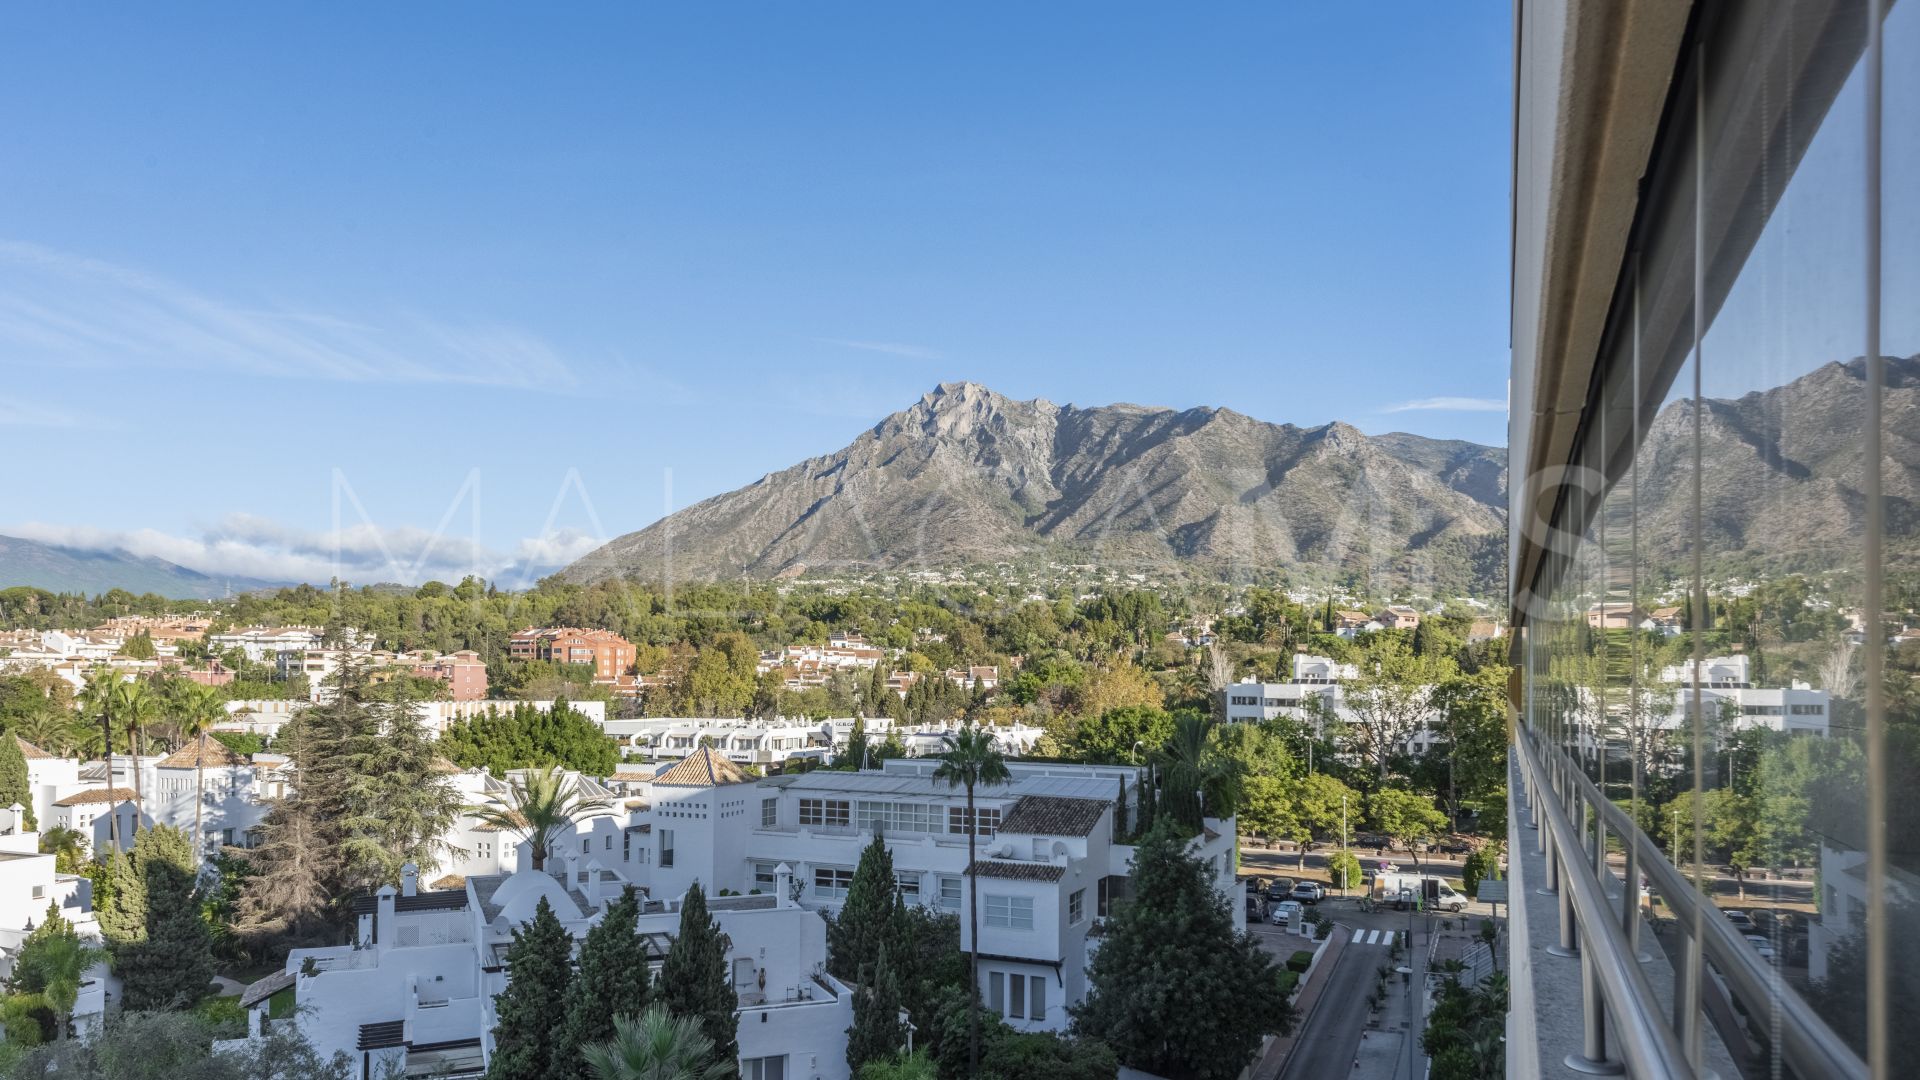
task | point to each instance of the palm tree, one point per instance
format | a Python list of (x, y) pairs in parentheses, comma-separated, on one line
[(656, 1046), (49, 729), (65, 961), (539, 806), (134, 706), (1195, 773), (96, 700), (972, 759), (200, 707), (67, 846)]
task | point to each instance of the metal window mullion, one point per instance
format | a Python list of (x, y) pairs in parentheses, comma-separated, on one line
[(1878, 930)]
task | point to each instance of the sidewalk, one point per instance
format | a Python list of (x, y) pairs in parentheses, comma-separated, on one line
[(1304, 1001)]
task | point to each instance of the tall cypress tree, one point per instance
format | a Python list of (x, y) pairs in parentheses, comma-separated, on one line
[(171, 964), (610, 984), (877, 1033), (693, 980), (854, 936), (531, 1011), (123, 915), (13, 777)]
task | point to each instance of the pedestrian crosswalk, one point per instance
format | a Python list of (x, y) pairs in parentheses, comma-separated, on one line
[(1372, 937)]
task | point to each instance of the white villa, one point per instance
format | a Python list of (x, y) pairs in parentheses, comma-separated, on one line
[(416, 987), (29, 884)]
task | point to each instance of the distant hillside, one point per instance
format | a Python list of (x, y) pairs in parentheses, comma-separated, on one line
[(969, 476), (76, 570)]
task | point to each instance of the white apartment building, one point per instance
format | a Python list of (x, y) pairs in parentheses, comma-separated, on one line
[(1313, 678), (266, 644), (416, 987), (1726, 687), (1843, 902), (266, 716), (29, 885), (48, 778), (1050, 865)]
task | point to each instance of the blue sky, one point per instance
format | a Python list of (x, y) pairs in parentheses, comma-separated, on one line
[(257, 262)]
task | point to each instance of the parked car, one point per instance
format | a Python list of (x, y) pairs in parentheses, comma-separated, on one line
[(1256, 886), (1740, 920), (1280, 889), (1762, 946), (1453, 845), (1256, 907), (1284, 911), (1308, 892)]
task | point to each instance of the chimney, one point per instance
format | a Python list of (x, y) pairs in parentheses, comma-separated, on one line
[(19, 820), (783, 885), (409, 880), (383, 928)]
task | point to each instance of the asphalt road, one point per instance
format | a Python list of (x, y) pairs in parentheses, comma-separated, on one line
[(1327, 1044)]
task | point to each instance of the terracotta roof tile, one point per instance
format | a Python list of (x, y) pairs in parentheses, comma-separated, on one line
[(702, 768), (1019, 871), (218, 755), (96, 795), (1050, 815), (30, 751)]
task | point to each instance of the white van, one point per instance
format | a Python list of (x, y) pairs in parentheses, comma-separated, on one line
[(1404, 890)]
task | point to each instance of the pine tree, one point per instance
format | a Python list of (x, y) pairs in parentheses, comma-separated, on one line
[(1174, 990), (531, 1011), (123, 914), (611, 982), (877, 1033), (854, 936), (693, 980), (13, 778), (172, 962), (401, 805)]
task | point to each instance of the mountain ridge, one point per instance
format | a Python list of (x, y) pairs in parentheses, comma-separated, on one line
[(92, 571), (967, 475)]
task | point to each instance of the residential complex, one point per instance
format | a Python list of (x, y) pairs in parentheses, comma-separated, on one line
[(610, 654)]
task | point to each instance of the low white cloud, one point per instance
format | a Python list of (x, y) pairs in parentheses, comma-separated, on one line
[(242, 545), (1449, 404), (889, 348), (58, 307)]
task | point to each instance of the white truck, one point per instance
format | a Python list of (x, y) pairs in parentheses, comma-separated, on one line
[(1405, 890)]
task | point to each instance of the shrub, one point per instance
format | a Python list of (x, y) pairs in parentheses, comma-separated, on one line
[(1300, 960)]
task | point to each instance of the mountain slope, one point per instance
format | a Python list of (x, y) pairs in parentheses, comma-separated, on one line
[(77, 570), (1783, 476), (966, 475)]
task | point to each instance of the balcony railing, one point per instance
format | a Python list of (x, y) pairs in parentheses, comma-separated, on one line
[(1613, 986)]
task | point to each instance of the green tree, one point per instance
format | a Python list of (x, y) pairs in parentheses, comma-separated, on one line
[(1406, 818), (1174, 989), (656, 1045), (51, 963), (1121, 735), (971, 760), (540, 806), (1388, 700), (170, 965), (531, 1013), (877, 1033), (856, 936), (1197, 776), (68, 848), (1344, 870), (178, 1046), (14, 788), (400, 804), (693, 979), (526, 737), (611, 981), (120, 899), (1482, 864), (138, 647)]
